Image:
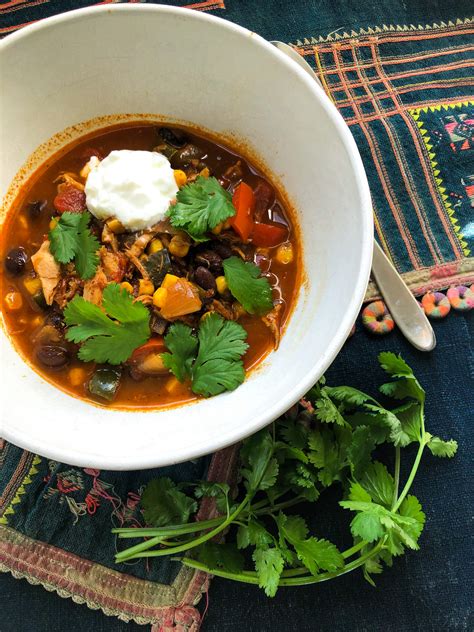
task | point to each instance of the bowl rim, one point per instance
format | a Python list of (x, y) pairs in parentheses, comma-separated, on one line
[(119, 462)]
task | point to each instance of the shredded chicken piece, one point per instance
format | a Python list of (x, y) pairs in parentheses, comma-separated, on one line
[(272, 321), (108, 237), (48, 271), (67, 288), (140, 243), (70, 178), (94, 288), (138, 264), (114, 264), (146, 299), (223, 310)]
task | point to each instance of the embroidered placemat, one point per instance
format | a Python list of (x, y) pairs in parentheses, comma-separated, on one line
[(407, 93)]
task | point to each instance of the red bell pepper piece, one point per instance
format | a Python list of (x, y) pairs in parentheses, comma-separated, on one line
[(69, 199), (244, 202), (268, 235)]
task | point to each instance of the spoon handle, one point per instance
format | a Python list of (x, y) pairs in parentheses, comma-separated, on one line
[(404, 308)]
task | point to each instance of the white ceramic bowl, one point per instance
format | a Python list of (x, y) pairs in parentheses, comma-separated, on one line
[(192, 67)]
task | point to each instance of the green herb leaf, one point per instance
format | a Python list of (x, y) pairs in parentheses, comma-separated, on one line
[(255, 534), (71, 240), (200, 207), (438, 447), (212, 360), (269, 565), (183, 347), (106, 340), (259, 467), (225, 556), (378, 482), (327, 411), (164, 504), (248, 286)]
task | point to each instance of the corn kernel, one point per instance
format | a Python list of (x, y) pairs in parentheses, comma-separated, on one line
[(205, 173), (145, 287), (53, 223), (169, 280), (127, 286), (285, 253), (13, 301), (155, 245), (204, 316), (221, 283), (173, 386), (180, 177), (179, 246), (115, 226), (77, 376), (218, 229), (159, 297), (32, 285)]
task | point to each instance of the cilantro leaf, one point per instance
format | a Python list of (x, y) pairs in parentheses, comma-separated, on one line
[(253, 533), (269, 565), (259, 467), (248, 286), (378, 482), (438, 447), (218, 366), (71, 240), (315, 554), (407, 384), (212, 360), (225, 556), (106, 340), (360, 449), (164, 504), (183, 347), (326, 410), (328, 452), (200, 207)]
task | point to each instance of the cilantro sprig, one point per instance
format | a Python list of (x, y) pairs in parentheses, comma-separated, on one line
[(200, 207), (109, 336), (71, 240), (212, 360), (329, 440), (248, 286)]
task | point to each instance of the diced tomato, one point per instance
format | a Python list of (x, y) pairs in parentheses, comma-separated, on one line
[(154, 345), (267, 235), (244, 202), (69, 199)]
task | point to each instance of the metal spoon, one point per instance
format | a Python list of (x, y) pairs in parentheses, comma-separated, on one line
[(403, 306)]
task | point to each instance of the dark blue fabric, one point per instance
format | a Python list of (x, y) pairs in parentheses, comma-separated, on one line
[(426, 591)]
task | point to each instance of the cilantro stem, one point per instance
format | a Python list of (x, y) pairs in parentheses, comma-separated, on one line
[(250, 577), (194, 542), (179, 529), (411, 477), (397, 475)]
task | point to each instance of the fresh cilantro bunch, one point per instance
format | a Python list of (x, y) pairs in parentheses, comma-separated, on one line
[(201, 206), (328, 441), (109, 336), (212, 360), (71, 240), (247, 285)]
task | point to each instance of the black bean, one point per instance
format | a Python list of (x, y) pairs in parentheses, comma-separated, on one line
[(52, 356), (36, 208), (210, 260), (184, 156), (174, 137), (223, 249), (15, 260), (56, 319), (204, 278)]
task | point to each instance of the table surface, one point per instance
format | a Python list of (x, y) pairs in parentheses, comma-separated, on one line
[(425, 590)]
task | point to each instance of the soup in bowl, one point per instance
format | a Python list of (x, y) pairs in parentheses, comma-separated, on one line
[(247, 182)]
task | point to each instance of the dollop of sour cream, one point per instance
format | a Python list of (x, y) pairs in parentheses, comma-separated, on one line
[(135, 187)]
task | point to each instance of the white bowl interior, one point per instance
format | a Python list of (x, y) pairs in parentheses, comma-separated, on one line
[(191, 67)]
